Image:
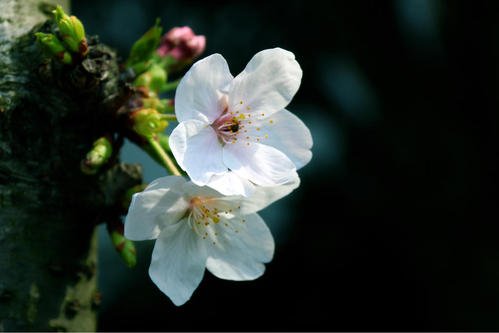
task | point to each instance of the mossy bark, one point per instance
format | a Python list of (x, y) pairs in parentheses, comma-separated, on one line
[(49, 116)]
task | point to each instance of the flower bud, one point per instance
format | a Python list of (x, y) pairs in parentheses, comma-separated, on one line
[(124, 246), (72, 31), (54, 47), (161, 105), (154, 78), (98, 156), (182, 44), (148, 122)]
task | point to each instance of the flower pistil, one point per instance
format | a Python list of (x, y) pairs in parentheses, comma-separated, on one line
[(206, 217)]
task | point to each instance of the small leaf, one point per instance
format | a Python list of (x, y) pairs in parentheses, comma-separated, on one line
[(143, 49)]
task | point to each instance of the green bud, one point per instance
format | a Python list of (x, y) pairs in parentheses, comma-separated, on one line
[(72, 31), (143, 80), (102, 150), (125, 247), (158, 77), (154, 78), (53, 46), (148, 122), (144, 48), (163, 105), (153, 103)]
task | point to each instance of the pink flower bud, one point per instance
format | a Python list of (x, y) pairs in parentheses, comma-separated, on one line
[(182, 44)]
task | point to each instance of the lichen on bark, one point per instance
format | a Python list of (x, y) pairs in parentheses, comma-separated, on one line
[(49, 116)]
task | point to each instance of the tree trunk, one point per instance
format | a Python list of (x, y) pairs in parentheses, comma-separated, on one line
[(50, 115)]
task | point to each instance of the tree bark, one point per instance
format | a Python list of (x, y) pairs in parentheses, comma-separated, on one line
[(50, 114)]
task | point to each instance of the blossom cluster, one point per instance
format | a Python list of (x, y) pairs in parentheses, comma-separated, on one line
[(237, 145), (240, 149)]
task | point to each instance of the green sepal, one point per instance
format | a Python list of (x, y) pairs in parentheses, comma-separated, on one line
[(154, 103), (148, 122), (154, 78), (54, 47), (164, 105), (101, 151), (143, 49), (125, 247)]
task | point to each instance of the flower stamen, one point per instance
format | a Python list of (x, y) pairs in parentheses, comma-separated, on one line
[(227, 126), (203, 219)]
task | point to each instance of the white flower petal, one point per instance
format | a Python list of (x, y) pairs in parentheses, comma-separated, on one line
[(286, 132), (197, 150), (178, 262), (192, 190), (199, 94), (264, 196), (216, 199), (154, 208), (241, 250), (229, 183), (261, 164), (267, 84)]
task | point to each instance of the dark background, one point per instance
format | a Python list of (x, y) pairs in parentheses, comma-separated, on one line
[(395, 225)]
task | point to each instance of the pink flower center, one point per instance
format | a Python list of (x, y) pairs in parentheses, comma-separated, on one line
[(227, 127)]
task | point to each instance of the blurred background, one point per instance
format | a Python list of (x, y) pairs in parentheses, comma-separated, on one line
[(395, 225)]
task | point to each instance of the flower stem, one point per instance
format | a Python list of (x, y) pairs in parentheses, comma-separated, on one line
[(170, 86), (169, 116), (170, 166)]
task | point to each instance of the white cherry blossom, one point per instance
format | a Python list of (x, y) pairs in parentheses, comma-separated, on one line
[(235, 133), (196, 228)]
